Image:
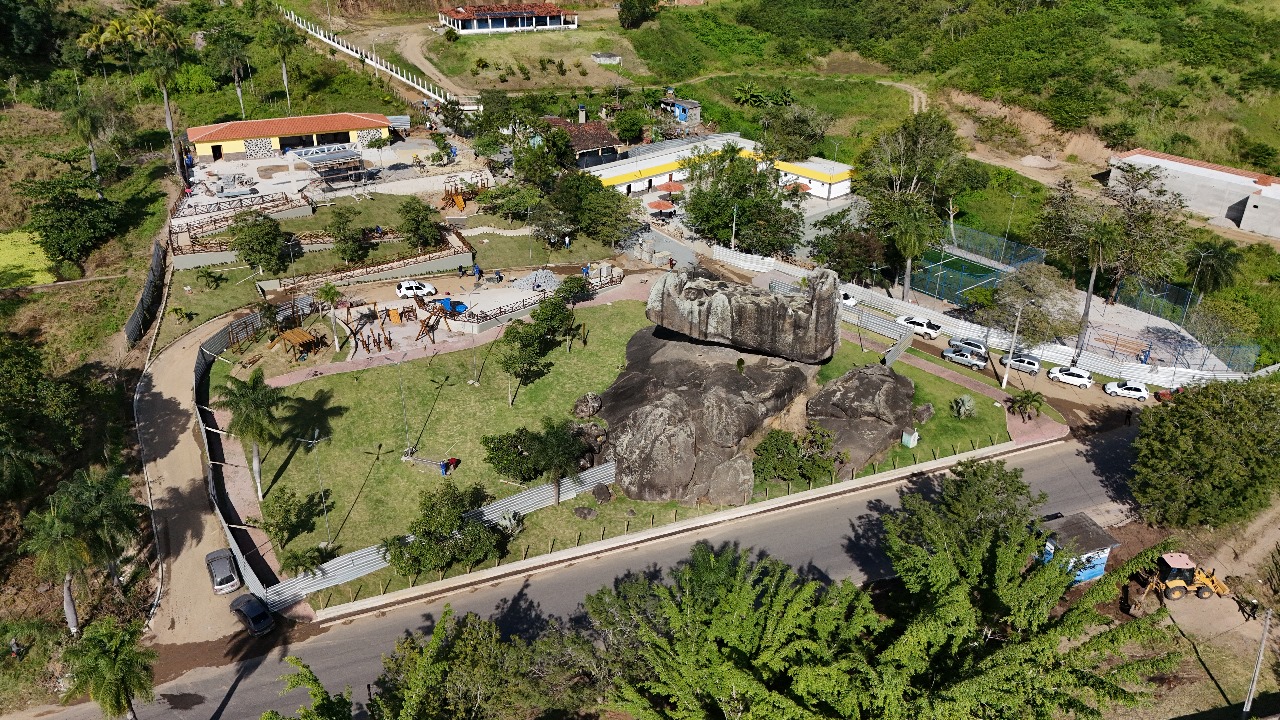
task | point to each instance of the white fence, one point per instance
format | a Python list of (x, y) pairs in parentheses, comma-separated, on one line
[(996, 339), (417, 82)]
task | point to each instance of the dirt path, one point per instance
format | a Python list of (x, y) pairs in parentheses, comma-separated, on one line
[(919, 98)]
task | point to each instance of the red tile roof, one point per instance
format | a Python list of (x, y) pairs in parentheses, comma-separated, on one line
[(1259, 178), (521, 9), (285, 127), (591, 135)]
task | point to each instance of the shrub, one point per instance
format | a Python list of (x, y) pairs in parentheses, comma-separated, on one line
[(451, 35), (963, 407)]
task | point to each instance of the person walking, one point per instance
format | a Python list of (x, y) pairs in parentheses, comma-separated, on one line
[(444, 468), (671, 263)]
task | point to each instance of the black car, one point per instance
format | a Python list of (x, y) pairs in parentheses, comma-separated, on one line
[(253, 613)]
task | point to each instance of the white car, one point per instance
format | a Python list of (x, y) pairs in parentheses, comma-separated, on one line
[(1029, 364), (1072, 376), (1127, 388), (970, 344), (920, 326), (848, 301), (965, 357), (414, 288)]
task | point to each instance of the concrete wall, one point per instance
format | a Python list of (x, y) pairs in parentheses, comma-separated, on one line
[(1204, 195), (204, 259), (1262, 215)]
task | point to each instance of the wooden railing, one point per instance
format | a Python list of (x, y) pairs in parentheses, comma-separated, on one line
[(314, 279)]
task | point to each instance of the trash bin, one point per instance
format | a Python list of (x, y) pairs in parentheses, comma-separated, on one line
[(910, 438)]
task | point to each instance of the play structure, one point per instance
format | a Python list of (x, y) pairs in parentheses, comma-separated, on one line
[(300, 343), (457, 191)]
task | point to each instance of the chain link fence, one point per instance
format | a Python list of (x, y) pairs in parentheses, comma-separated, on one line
[(136, 326)]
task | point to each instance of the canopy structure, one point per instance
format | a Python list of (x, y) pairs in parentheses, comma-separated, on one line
[(802, 187), (662, 205), (329, 157)]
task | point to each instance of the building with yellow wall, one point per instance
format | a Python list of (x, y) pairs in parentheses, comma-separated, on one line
[(251, 139)]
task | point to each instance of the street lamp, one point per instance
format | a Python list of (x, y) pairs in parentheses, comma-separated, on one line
[(1013, 346), (1009, 225), (1187, 306)]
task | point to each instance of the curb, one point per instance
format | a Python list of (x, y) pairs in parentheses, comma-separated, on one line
[(525, 568)]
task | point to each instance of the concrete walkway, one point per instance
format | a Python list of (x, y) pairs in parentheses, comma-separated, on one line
[(485, 229)]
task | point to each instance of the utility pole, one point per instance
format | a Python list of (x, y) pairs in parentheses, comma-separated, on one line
[(1257, 667), (1013, 346), (733, 233)]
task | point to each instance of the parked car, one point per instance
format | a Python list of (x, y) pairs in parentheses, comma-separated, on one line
[(253, 614), (222, 571), (1167, 395), (920, 326), (848, 301), (1127, 388), (414, 288), (965, 357), (1029, 364), (970, 344), (1072, 376)]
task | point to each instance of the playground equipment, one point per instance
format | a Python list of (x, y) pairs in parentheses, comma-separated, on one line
[(457, 191)]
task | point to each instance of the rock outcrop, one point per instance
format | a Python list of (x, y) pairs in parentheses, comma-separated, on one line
[(803, 327), (679, 413), (867, 409)]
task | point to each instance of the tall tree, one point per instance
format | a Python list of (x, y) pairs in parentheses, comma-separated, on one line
[(324, 706), (160, 42), (19, 462), (106, 516), (55, 539), (329, 294), (855, 251), (228, 50), (348, 238), (915, 157), (521, 355), (1074, 229), (634, 13), (908, 221), (731, 201), (418, 223), (110, 665), (1152, 221), (281, 39), (1035, 299), (441, 536), (258, 240), (793, 132), (1216, 262), (70, 224), (252, 404)]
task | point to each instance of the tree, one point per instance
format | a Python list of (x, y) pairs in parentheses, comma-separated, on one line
[(1024, 402), (1210, 455), (514, 454), (228, 50), (1152, 224), (1035, 298), (634, 13), (68, 224), (793, 132), (560, 451), (281, 39), (1073, 229), (39, 410), (323, 705), (160, 42), (1219, 321), (329, 294), (252, 404), (378, 144), (607, 217), (84, 119), (511, 201), (552, 320), (906, 220), (285, 515), (914, 157), (258, 240), (731, 201), (418, 223), (629, 125), (102, 508), (986, 631), (551, 225), (60, 552), (788, 457), (19, 463), (853, 251), (110, 665), (1216, 261), (441, 537), (521, 355), (348, 239)]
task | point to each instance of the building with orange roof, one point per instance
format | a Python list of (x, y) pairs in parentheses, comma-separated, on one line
[(520, 17), (1228, 196), (251, 139)]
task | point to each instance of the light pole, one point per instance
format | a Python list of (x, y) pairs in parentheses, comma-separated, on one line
[(311, 445), (1187, 305), (1013, 346), (475, 379), (733, 233), (1009, 225)]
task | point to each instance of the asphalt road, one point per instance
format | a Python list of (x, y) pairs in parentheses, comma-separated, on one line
[(834, 539)]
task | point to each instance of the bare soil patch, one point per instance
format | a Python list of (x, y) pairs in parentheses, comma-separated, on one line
[(851, 63)]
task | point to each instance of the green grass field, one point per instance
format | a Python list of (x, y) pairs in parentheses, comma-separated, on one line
[(508, 251), (27, 681), (22, 262)]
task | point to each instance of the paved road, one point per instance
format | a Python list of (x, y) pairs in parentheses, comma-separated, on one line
[(827, 539)]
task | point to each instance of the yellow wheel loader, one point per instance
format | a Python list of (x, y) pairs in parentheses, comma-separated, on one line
[(1177, 575)]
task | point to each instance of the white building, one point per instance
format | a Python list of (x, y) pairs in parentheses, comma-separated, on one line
[(1247, 200), (478, 19), (823, 179)]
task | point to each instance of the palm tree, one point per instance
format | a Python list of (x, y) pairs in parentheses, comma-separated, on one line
[(329, 294), (18, 463), (282, 39), (229, 50), (910, 223), (105, 512), (59, 550), (95, 44), (252, 404), (159, 40), (1024, 402), (110, 665), (84, 119), (1217, 262), (212, 279)]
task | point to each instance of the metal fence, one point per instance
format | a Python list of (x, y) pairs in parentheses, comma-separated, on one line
[(994, 247), (949, 283), (136, 326)]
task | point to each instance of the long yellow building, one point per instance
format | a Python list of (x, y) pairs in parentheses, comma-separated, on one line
[(251, 139)]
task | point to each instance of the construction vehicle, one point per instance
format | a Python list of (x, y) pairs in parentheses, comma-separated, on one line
[(1177, 574)]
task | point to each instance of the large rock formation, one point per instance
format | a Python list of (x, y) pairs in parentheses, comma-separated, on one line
[(867, 409), (680, 411), (804, 327)]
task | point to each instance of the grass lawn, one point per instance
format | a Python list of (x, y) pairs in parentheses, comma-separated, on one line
[(987, 378), (446, 418), (483, 220), (206, 303), (24, 683), (22, 262), (382, 210), (506, 251)]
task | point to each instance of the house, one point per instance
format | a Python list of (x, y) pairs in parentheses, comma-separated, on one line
[(644, 166), (823, 179), (1228, 196), (593, 142), (241, 139), (685, 112), (1089, 542), (520, 17)]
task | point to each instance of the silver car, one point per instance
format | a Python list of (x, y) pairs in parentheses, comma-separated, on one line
[(970, 344), (1029, 364), (222, 571), (968, 358)]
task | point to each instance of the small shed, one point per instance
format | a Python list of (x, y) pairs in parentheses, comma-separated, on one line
[(1089, 542)]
